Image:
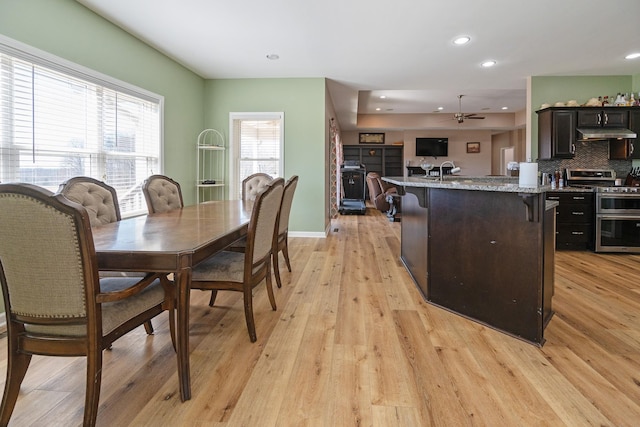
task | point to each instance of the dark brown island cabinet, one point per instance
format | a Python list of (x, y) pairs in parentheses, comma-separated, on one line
[(483, 250)]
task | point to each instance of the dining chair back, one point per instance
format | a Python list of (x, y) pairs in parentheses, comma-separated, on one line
[(101, 202), (162, 194), (282, 238), (254, 185), (243, 271), (55, 303), (99, 199)]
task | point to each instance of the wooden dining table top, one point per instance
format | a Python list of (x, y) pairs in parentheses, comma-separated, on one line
[(173, 242), (156, 241)]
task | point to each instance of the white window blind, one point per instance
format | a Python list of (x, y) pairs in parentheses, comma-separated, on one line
[(258, 143), (57, 122)]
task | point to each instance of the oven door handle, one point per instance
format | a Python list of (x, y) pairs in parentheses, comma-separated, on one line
[(632, 217)]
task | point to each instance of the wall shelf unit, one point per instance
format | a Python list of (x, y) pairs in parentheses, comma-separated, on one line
[(210, 180)]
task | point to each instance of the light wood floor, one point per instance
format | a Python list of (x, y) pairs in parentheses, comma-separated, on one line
[(354, 344)]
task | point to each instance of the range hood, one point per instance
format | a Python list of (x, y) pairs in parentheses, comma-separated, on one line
[(605, 133)]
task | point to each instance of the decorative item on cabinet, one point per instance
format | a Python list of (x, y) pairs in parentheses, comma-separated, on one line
[(371, 138), (210, 166)]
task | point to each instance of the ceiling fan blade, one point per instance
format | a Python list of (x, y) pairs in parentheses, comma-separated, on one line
[(473, 117)]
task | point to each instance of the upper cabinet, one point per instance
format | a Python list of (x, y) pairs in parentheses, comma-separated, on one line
[(609, 117), (634, 125), (625, 149), (557, 130), (556, 134)]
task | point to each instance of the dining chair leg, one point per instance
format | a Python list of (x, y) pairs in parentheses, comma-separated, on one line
[(94, 379), (212, 299), (285, 252), (170, 305), (272, 298), (248, 313), (16, 370), (276, 269), (172, 328), (148, 327)]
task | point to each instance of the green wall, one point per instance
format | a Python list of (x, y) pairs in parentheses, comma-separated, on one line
[(303, 103), (69, 30), (550, 90)]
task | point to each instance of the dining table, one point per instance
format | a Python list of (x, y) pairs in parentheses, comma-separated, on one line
[(173, 242)]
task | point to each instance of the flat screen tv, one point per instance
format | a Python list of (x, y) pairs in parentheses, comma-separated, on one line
[(432, 147)]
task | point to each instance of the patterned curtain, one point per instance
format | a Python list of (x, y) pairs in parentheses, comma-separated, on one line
[(336, 160)]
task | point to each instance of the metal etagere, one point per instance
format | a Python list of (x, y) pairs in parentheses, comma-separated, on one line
[(210, 180)]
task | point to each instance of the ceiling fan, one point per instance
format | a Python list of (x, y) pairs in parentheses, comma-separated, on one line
[(460, 116)]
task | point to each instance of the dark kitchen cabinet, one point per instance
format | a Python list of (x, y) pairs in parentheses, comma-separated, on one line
[(634, 125), (386, 160), (624, 149), (609, 117), (556, 134), (574, 219)]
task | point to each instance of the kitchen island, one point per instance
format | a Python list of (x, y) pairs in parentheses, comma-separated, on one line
[(482, 248)]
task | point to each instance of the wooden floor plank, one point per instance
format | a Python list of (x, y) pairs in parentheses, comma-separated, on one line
[(353, 343)]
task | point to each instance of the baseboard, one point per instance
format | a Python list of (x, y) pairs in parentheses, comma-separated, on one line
[(317, 234)]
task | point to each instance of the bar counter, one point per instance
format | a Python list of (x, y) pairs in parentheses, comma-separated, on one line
[(482, 248)]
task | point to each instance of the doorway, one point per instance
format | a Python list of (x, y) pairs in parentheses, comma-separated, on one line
[(507, 155)]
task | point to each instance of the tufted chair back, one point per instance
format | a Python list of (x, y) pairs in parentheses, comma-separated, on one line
[(162, 194), (99, 199), (254, 185)]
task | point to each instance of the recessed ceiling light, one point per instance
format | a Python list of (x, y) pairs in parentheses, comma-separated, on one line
[(460, 40), (378, 109), (383, 96), (273, 56), (490, 63), (633, 55), (505, 108), (440, 108)]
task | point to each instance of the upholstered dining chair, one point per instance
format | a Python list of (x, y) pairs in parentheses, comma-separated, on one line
[(56, 305), (254, 184), (281, 243), (101, 202), (162, 194), (243, 271), (98, 198)]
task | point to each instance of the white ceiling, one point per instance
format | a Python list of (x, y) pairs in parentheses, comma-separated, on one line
[(402, 49)]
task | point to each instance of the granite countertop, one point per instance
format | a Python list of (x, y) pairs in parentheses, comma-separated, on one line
[(483, 183)]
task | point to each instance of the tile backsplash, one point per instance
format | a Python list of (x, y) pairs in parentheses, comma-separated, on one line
[(589, 155)]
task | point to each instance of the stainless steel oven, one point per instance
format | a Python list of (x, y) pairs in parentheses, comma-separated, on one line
[(618, 220)]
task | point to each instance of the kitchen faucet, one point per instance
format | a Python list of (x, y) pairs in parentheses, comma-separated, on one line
[(454, 169)]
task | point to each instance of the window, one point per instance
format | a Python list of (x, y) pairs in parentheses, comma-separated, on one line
[(59, 120), (256, 146)]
